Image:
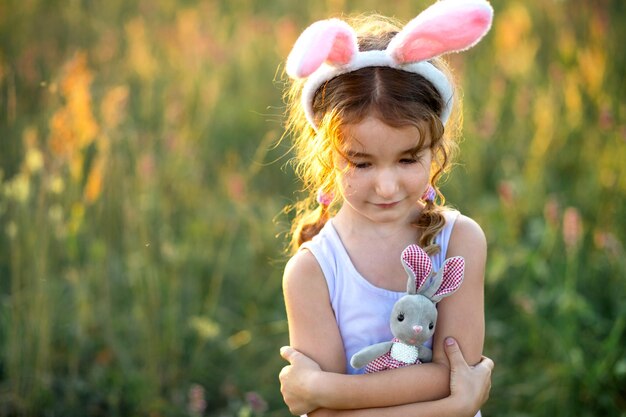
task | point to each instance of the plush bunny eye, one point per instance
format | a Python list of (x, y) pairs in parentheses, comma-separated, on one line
[(431, 326), (401, 317)]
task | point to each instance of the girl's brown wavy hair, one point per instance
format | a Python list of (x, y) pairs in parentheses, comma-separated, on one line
[(398, 98)]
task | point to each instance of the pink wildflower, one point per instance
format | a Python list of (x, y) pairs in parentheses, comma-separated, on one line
[(572, 228), (197, 402), (256, 403)]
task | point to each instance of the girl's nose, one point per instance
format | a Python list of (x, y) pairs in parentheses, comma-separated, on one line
[(387, 183)]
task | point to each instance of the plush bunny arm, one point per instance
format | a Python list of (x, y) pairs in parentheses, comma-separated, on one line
[(425, 354), (368, 354)]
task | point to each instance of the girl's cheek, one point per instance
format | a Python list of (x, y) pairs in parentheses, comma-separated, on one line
[(348, 184)]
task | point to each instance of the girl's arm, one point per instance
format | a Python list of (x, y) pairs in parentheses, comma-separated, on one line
[(313, 331), (469, 387), (462, 315)]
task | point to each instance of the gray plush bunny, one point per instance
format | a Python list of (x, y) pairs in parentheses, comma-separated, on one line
[(414, 316)]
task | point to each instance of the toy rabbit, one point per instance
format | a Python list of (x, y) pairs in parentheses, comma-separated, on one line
[(414, 316)]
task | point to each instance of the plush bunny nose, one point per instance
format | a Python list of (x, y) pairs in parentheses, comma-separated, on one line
[(417, 329)]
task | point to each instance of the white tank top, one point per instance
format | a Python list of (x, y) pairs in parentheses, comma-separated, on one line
[(361, 309)]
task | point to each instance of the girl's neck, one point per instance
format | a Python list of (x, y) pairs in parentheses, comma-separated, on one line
[(375, 248)]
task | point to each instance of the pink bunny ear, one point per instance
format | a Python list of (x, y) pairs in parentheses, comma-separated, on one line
[(446, 26), (331, 40), (418, 265), (453, 271)]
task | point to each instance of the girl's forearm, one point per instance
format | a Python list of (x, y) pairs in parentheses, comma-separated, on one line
[(446, 407), (407, 385)]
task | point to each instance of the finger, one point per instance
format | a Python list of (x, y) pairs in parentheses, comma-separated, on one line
[(487, 363), (290, 354), (455, 356), (286, 352), (282, 375)]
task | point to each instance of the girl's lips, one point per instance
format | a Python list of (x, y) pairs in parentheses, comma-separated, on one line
[(386, 205)]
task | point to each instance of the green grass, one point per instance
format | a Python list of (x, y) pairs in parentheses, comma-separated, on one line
[(140, 195)]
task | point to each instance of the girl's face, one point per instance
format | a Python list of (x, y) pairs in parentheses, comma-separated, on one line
[(382, 170)]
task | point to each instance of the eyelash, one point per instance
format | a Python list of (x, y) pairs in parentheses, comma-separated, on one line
[(360, 165), (364, 165)]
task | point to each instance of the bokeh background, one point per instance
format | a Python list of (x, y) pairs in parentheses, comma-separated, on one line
[(142, 183)]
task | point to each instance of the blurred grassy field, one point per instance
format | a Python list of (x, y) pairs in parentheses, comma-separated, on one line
[(140, 200)]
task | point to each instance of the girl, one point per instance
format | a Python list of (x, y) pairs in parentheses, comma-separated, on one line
[(370, 111)]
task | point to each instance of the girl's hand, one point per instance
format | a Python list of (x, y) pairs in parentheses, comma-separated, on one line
[(469, 385), (297, 381)]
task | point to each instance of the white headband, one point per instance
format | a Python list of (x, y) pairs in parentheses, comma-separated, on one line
[(329, 48)]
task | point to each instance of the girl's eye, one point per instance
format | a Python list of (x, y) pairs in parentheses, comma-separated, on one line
[(408, 161), (360, 165)]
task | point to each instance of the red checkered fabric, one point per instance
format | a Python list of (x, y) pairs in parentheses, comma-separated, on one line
[(453, 270), (418, 262)]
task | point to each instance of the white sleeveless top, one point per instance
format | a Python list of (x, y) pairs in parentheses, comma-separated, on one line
[(361, 309)]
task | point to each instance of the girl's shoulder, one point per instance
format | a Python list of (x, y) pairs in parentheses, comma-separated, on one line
[(302, 264), (467, 238), (304, 261), (303, 281)]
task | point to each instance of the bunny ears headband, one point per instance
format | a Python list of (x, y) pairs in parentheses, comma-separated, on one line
[(329, 48)]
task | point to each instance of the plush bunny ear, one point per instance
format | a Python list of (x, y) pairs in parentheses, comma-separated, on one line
[(331, 40), (446, 26), (418, 267), (452, 277)]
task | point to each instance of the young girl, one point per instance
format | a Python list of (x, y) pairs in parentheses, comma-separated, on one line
[(370, 112)]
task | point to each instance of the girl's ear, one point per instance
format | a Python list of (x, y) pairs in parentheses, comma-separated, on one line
[(452, 277), (418, 267), (331, 40), (446, 26)]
